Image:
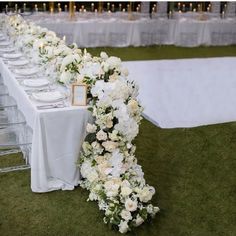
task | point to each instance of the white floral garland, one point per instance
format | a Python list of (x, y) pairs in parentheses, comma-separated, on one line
[(107, 163)]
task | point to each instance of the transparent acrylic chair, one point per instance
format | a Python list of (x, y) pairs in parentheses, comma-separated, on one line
[(11, 117), (7, 102), (3, 90), (15, 139), (15, 136)]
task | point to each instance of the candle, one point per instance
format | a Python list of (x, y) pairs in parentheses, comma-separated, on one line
[(51, 10), (170, 14), (24, 7), (137, 9), (183, 8), (194, 10), (96, 10), (92, 7), (59, 10), (179, 6), (64, 38), (44, 7), (58, 6), (123, 9), (16, 7), (35, 7), (198, 7), (112, 7), (108, 6), (208, 9), (120, 7), (223, 14), (85, 10), (75, 8), (190, 6), (6, 8), (65, 7)]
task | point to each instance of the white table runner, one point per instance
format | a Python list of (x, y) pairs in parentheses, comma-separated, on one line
[(186, 92)]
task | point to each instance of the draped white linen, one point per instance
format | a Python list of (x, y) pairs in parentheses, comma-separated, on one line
[(121, 32), (57, 137)]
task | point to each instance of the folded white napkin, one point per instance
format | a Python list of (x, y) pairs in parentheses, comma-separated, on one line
[(52, 96), (28, 71), (35, 82)]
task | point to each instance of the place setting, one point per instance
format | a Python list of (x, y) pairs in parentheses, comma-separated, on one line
[(49, 99)]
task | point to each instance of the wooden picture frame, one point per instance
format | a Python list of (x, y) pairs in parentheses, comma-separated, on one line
[(79, 95)]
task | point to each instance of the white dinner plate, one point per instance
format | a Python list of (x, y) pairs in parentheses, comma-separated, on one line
[(35, 83), (5, 50), (12, 55), (18, 63), (52, 96), (5, 43), (28, 71)]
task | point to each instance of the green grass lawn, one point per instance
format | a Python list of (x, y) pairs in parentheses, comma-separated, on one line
[(193, 171)]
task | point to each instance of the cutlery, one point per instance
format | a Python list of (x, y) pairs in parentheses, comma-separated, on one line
[(50, 106)]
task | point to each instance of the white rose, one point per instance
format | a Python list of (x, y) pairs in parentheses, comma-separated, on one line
[(133, 106), (91, 128), (92, 176), (66, 77), (93, 196), (125, 183), (101, 135), (113, 136), (97, 147), (156, 209), (110, 145), (146, 194), (131, 205), (105, 66), (124, 72), (150, 209), (109, 123), (103, 55), (80, 79), (113, 62), (86, 148), (112, 187), (126, 191), (123, 227), (126, 215), (113, 77), (139, 220)]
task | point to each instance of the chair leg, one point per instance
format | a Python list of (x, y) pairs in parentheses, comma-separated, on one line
[(14, 168)]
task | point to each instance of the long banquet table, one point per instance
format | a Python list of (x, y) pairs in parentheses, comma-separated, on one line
[(57, 137), (88, 30)]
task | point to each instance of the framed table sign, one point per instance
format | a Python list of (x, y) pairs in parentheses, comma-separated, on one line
[(79, 94)]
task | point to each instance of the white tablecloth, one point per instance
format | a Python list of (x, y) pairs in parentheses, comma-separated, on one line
[(116, 30), (186, 92), (57, 138)]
